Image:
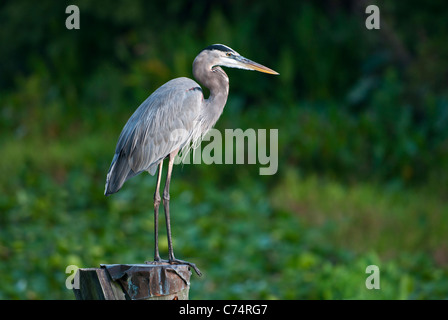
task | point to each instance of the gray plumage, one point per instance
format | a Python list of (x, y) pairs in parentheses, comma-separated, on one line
[(172, 119), (146, 137)]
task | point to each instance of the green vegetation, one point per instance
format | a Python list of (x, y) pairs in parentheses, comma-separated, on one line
[(363, 147)]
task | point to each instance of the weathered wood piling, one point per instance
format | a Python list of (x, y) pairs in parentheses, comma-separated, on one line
[(161, 281)]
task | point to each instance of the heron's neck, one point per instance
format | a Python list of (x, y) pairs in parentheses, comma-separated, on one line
[(218, 84), (217, 81)]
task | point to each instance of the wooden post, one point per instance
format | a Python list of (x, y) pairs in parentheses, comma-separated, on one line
[(161, 281)]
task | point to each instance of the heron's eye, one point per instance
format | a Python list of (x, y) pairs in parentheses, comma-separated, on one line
[(228, 54)]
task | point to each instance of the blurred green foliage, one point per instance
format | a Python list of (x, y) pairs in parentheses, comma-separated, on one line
[(363, 147)]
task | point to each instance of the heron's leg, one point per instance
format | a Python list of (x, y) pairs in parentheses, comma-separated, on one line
[(156, 213), (166, 204)]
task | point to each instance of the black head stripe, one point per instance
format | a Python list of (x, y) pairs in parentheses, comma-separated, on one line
[(219, 47)]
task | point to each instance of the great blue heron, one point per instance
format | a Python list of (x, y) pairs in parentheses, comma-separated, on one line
[(179, 104)]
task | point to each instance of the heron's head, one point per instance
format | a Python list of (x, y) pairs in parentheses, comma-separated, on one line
[(221, 55)]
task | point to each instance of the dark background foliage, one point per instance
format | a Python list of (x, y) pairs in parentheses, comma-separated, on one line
[(363, 146)]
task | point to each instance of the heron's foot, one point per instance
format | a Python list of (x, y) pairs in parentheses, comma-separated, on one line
[(177, 261), (158, 261)]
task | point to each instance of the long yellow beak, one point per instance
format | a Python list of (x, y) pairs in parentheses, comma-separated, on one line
[(249, 64)]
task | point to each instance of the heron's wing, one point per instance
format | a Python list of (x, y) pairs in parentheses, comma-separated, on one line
[(163, 123)]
